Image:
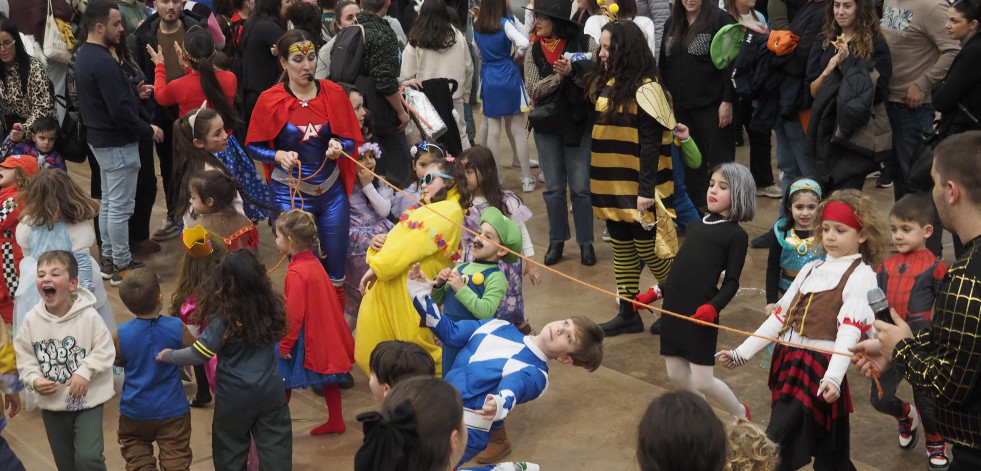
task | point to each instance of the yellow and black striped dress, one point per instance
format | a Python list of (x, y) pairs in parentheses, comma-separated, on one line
[(621, 169)]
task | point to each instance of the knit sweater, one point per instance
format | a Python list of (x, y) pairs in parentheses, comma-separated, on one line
[(920, 48)]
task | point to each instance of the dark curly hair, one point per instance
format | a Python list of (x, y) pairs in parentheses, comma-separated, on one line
[(242, 296), (630, 62)]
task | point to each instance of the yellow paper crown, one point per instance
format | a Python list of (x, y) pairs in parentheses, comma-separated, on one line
[(196, 242)]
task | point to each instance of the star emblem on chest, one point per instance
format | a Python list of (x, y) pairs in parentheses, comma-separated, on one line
[(309, 131)]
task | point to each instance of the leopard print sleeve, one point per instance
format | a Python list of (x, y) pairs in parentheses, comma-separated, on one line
[(39, 94)]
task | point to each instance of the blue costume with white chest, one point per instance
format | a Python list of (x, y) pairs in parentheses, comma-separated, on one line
[(495, 358)]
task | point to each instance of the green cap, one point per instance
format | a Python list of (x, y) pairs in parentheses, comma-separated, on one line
[(506, 229), (726, 43)]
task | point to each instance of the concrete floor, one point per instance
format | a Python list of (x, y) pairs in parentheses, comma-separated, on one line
[(585, 421)]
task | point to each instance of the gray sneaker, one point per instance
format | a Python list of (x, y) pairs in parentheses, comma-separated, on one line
[(167, 231), (118, 273)]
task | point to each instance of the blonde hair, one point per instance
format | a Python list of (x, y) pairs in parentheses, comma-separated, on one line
[(51, 196), (866, 211), (748, 448), (300, 228)]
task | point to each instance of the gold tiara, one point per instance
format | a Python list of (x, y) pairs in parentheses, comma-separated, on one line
[(303, 47), (196, 242)]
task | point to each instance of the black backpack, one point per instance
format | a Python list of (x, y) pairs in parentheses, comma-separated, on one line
[(347, 55)]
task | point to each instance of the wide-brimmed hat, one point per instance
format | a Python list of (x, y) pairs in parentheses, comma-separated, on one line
[(557, 9)]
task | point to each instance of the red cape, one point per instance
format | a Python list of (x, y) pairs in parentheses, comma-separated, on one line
[(273, 109)]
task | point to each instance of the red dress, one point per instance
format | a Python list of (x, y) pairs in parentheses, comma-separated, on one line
[(317, 335)]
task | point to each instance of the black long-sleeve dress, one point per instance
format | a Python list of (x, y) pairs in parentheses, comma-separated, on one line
[(711, 246)]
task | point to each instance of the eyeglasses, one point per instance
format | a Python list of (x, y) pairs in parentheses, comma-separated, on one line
[(7, 44), (428, 179)]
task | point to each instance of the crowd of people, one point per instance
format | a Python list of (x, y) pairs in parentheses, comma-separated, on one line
[(407, 253)]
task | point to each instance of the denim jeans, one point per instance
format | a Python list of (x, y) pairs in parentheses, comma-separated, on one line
[(790, 154), (118, 169), (908, 126), (563, 167)]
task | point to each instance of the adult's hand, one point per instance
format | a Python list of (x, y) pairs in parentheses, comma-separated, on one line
[(914, 97), (334, 149), (869, 358), (563, 67), (158, 134), (181, 57), (17, 132), (287, 159), (412, 83), (725, 114), (890, 334), (403, 120), (144, 90)]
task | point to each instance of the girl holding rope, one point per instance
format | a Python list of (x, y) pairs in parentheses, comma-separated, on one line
[(827, 308), (306, 125)]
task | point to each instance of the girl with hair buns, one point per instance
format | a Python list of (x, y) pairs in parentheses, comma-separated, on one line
[(318, 349), (207, 87)]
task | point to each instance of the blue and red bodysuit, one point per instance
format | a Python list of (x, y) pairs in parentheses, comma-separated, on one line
[(282, 122)]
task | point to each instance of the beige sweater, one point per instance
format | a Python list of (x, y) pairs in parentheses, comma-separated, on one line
[(453, 63), (921, 50)]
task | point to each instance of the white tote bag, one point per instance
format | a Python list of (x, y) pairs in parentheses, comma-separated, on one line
[(55, 48)]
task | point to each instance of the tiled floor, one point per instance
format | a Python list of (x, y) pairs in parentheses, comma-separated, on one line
[(585, 421)]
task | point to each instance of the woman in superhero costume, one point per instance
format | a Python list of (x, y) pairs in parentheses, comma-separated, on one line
[(299, 129)]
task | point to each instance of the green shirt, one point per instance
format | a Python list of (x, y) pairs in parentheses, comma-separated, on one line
[(495, 286)]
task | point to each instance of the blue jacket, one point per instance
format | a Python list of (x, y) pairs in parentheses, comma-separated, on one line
[(151, 390)]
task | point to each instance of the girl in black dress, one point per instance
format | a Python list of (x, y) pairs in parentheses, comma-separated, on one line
[(714, 245)]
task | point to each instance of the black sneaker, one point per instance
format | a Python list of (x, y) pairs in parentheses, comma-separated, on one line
[(106, 269), (883, 181), (118, 273)]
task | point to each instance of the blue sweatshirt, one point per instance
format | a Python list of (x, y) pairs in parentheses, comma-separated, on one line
[(107, 99)]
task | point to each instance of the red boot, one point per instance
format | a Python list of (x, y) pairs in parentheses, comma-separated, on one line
[(335, 421)]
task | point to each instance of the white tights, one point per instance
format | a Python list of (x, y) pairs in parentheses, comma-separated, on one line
[(489, 134), (701, 380)]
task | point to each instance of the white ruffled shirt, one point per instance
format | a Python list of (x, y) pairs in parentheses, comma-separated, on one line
[(855, 313)]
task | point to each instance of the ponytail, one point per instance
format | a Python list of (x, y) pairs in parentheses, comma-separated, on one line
[(199, 47), (189, 159)]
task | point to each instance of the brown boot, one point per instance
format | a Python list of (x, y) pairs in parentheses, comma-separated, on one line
[(497, 448)]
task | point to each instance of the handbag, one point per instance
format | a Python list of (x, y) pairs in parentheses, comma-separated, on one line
[(423, 113), (544, 116), (55, 47), (922, 161), (72, 142), (666, 237)]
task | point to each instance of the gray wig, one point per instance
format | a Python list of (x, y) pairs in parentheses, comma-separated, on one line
[(742, 189)]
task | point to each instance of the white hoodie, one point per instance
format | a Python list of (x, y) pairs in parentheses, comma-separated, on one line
[(55, 348)]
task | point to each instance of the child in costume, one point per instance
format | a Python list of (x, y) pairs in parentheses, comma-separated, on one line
[(56, 214), (152, 407), (474, 290), (65, 355), (15, 172), (428, 235), (212, 203), (713, 246), (10, 388), (41, 146), (502, 89), (202, 251), (245, 320), (206, 86), (318, 349), (371, 203), (498, 366), (911, 280), (483, 180), (306, 124), (826, 307), (794, 245), (198, 136), (422, 155)]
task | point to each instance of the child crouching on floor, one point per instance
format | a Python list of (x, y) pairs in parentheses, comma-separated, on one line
[(152, 406), (512, 367), (72, 390)]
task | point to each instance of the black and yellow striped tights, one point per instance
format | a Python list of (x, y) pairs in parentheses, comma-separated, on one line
[(632, 245)]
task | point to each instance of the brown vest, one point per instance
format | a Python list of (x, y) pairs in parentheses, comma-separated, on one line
[(815, 315)]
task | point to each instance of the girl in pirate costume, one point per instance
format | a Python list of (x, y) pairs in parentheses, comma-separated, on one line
[(631, 160), (826, 307), (305, 126)]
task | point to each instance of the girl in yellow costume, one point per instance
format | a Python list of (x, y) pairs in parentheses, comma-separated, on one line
[(631, 175), (430, 236)]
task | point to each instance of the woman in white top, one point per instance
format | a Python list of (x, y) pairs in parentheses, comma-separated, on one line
[(437, 49), (628, 11)]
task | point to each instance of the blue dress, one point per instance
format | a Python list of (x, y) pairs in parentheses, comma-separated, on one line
[(241, 167), (502, 91)]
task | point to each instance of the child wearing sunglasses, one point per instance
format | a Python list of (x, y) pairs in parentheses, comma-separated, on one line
[(428, 235)]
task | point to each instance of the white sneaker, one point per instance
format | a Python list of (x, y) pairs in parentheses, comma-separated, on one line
[(533, 163), (606, 235), (909, 428), (541, 177), (771, 191), (528, 185)]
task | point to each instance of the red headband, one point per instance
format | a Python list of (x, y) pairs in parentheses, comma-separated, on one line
[(841, 212)]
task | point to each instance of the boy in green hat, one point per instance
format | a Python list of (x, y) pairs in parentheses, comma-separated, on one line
[(478, 287)]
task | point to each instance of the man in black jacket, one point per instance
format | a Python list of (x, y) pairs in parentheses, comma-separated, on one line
[(165, 28), (109, 106)]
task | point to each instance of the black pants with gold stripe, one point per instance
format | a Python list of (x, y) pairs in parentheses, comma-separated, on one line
[(631, 245)]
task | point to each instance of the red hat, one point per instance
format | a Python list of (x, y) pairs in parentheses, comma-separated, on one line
[(27, 163)]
